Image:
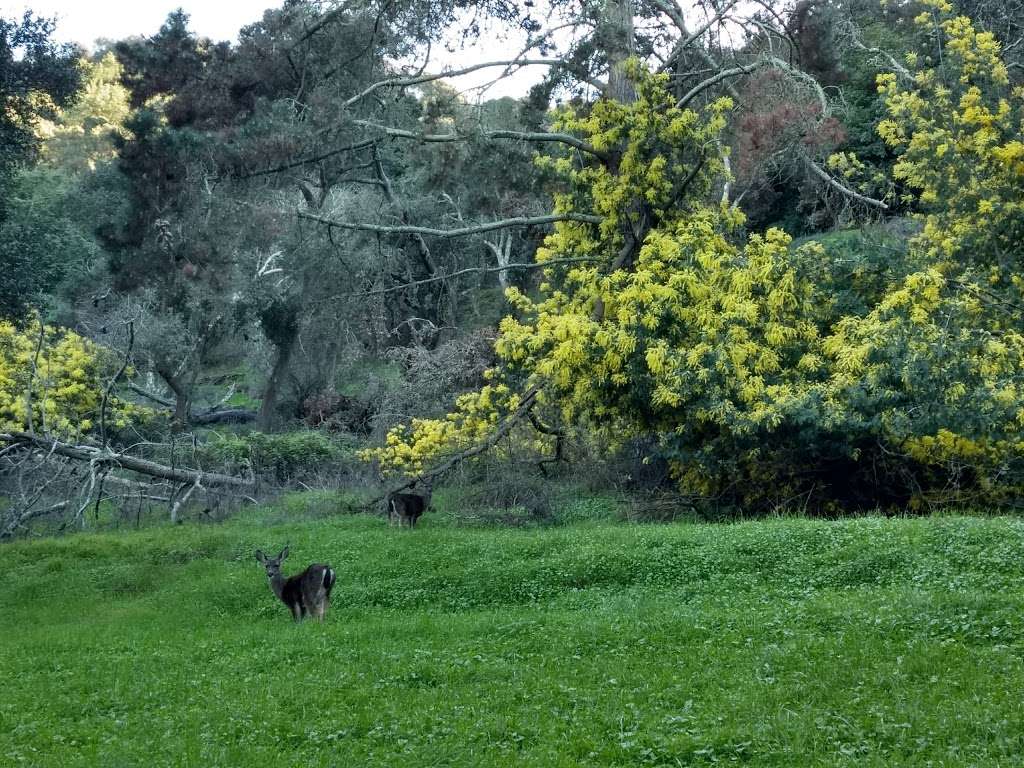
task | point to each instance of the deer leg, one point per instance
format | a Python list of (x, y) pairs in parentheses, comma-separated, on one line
[(296, 611)]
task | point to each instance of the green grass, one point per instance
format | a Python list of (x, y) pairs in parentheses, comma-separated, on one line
[(866, 642)]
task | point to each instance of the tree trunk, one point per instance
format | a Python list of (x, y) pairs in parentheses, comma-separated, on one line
[(620, 44), (182, 399), (268, 408)]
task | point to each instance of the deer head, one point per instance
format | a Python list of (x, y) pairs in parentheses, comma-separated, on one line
[(273, 565)]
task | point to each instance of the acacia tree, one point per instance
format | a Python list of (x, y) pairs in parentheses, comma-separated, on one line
[(732, 355), (937, 364)]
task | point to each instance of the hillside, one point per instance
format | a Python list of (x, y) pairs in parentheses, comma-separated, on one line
[(867, 642)]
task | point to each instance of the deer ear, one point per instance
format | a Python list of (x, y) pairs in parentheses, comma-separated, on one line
[(260, 556), (284, 552)]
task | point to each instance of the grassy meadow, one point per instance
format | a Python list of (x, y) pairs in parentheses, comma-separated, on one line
[(865, 642)]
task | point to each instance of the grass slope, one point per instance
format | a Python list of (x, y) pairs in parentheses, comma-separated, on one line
[(866, 642)]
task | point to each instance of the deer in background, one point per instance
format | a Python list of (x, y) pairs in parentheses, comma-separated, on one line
[(307, 593), (407, 507)]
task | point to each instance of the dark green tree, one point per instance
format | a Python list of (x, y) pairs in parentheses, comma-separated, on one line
[(37, 77)]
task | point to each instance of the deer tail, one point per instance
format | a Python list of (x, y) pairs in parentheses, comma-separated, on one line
[(329, 579)]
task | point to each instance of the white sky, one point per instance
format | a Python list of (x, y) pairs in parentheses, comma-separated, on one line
[(85, 21)]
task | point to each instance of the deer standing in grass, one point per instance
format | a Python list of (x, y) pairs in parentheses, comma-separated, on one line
[(307, 593), (407, 507)]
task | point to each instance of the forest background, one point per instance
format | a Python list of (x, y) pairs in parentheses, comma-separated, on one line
[(727, 259)]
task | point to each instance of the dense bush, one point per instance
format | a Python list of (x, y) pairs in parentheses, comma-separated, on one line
[(284, 457), (52, 379)]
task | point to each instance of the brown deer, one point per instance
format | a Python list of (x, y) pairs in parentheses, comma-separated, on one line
[(307, 593), (407, 507)]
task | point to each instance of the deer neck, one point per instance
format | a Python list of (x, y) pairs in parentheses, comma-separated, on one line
[(277, 585)]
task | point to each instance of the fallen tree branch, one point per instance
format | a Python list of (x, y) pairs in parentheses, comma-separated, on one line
[(19, 520), (214, 415), (150, 395), (222, 416), (98, 458), (184, 499), (519, 221)]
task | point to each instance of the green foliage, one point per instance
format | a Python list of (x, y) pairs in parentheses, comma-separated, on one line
[(771, 374), (41, 240), (163, 63), (37, 76), (81, 136), (936, 364), (786, 642), (284, 455)]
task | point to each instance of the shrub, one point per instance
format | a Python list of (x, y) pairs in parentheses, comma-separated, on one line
[(285, 457)]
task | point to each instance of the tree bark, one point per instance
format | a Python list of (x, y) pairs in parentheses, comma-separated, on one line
[(620, 43), (267, 418), (182, 398), (105, 458)]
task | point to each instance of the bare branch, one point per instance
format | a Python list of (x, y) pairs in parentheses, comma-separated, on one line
[(699, 32), (326, 19), (519, 221), (98, 458), (840, 187), (150, 395), (471, 271), (405, 82), (184, 499), (725, 74), (308, 160), (18, 521), (430, 138)]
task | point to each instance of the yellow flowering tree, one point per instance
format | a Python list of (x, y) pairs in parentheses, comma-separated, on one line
[(659, 319), (957, 129), (935, 368), (52, 381), (763, 377)]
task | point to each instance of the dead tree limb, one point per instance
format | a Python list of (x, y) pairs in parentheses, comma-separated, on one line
[(98, 458), (841, 188), (184, 499), (215, 415), (472, 271), (441, 138), (519, 221), (19, 520), (405, 82), (150, 395)]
